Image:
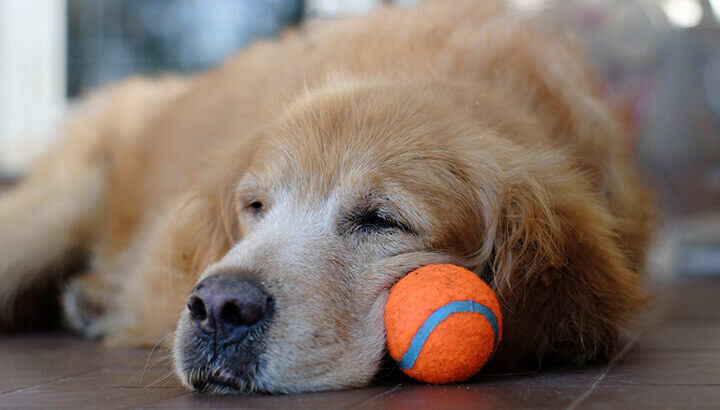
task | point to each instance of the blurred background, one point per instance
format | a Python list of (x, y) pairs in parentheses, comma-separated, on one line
[(659, 59)]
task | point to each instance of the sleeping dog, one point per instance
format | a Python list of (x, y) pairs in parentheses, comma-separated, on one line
[(253, 218)]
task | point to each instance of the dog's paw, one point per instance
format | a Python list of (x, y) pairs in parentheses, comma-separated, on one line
[(81, 313)]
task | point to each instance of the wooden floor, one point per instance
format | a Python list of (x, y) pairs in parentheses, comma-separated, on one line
[(670, 360)]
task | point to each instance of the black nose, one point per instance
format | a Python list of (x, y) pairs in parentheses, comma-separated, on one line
[(227, 307)]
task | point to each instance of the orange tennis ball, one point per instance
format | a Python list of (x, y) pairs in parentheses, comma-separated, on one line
[(443, 323)]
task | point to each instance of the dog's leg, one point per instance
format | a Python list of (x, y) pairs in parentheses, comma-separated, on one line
[(49, 214), (60, 205)]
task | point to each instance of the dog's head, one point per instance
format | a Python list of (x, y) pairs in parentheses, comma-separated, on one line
[(357, 184)]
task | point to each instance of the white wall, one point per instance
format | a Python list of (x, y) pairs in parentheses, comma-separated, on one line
[(32, 78), (335, 8)]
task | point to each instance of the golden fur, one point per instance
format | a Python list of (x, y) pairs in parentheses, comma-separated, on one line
[(482, 132)]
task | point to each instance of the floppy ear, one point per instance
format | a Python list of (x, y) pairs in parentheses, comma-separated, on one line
[(194, 234), (205, 230), (559, 266), (204, 225)]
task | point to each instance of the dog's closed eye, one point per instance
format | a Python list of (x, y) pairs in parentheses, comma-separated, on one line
[(376, 220), (256, 207)]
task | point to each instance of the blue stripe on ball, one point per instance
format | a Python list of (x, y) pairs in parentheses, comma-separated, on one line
[(437, 317)]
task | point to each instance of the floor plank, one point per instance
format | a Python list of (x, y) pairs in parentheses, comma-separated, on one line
[(671, 360)]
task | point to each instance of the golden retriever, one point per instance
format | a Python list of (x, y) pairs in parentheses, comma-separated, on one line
[(259, 212)]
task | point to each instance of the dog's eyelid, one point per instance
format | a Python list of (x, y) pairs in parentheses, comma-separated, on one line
[(251, 197), (255, 206), (251, 202), (392, 211), (378, 219)]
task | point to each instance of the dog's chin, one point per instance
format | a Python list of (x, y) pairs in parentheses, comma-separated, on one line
[(206, 366)]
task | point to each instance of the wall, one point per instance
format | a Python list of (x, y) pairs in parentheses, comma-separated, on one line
[(32, 78)]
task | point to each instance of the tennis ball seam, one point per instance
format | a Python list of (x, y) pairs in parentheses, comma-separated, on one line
[(438, 316)]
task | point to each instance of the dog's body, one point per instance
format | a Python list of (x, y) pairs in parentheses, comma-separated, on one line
[(323, 167)]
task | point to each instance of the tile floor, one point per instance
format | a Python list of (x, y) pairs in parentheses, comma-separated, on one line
[(671, 359)]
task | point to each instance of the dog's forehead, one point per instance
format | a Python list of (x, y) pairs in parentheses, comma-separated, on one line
[(326, 163), (382, 139)]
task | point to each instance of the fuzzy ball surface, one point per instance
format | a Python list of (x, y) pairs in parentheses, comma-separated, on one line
[(443, 323)]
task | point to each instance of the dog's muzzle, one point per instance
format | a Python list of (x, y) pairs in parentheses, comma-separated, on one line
[(220, 340)]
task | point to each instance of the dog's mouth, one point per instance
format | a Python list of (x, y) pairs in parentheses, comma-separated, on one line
[(221, 382), (237, 372)]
